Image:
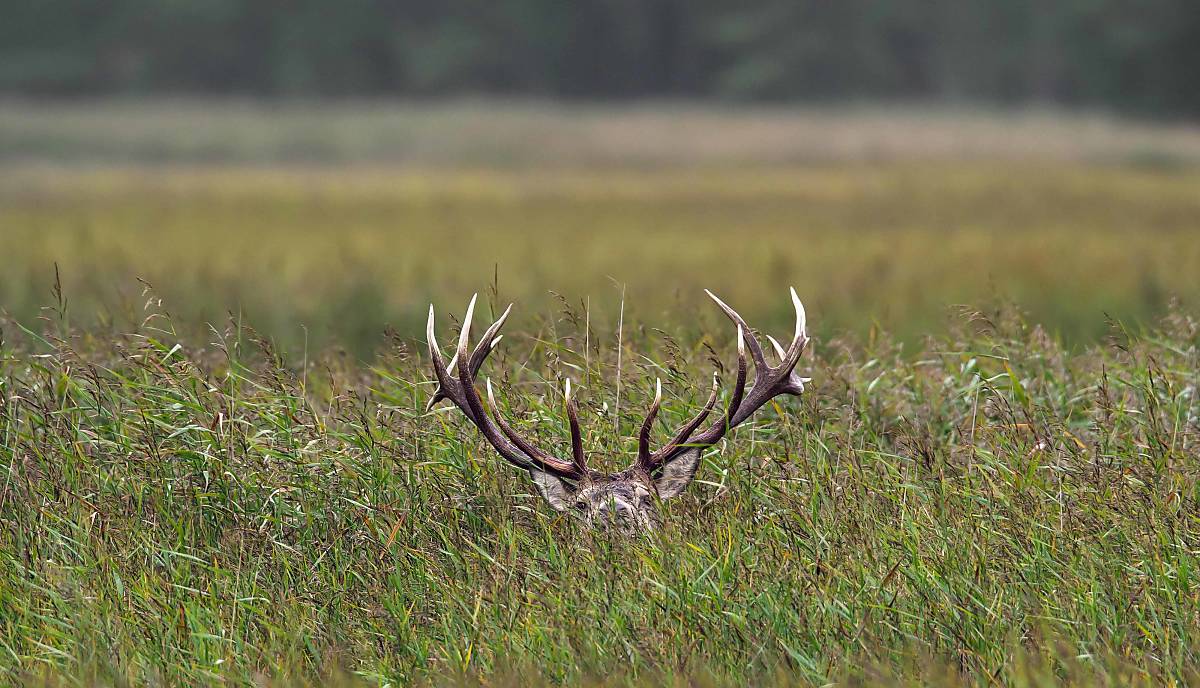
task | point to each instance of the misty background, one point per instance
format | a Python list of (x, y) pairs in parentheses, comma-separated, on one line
[(1132, 57)]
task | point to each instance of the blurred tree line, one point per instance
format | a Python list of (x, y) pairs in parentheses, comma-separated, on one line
[(1131, 55)]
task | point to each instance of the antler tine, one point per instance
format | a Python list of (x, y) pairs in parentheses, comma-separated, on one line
[(460, 389), (779, 351), (536, 454), (486, 343), (789, 381), (800, 338), (756, 352), (466, 383), (644, 458), (695, 422), (564, 468), (769, 381), (655, 459), (440, 371), (450, 388), (739, 385), (652, 462), (576, 435)]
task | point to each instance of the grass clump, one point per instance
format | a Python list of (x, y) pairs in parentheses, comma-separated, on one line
[(988, 507)]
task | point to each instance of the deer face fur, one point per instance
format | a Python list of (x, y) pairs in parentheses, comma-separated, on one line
[(626, 500)]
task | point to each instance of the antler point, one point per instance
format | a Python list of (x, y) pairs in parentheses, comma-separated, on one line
[(778, 348), (504, 315), (801, 317), (466, 327)]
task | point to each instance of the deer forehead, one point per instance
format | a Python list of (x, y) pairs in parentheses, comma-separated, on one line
[(622, 490)]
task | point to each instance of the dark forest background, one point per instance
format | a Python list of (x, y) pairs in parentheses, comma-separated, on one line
[(1135, 56)]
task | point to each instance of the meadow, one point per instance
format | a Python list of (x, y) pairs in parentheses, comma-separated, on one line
[(989, 508), (320, 257), (216, 466)]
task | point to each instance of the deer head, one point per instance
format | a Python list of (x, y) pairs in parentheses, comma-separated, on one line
[(627, 499)]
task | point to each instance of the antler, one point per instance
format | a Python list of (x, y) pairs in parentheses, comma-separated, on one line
[(460, 389), (769, 382)]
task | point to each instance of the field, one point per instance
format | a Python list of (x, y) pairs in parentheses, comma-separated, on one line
[(333, 257), (215, 464)]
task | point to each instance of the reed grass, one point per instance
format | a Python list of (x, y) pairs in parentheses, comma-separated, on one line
[(989, 507)]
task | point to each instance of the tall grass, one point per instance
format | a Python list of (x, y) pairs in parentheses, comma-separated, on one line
[(988, 507)]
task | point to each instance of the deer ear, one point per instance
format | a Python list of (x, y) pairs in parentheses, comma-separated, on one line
[(552, 489), (677, 474)]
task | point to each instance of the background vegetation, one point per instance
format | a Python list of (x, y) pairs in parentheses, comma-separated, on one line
[(322, 258), (1141, 57), (988, 508), (519, 134)]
